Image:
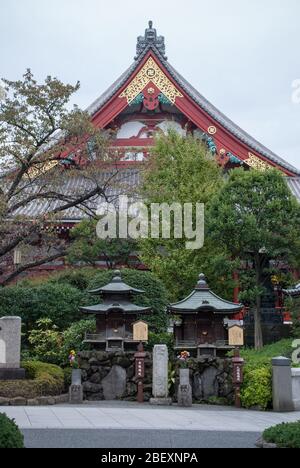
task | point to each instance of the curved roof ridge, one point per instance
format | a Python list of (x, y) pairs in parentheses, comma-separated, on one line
[(199, 99)]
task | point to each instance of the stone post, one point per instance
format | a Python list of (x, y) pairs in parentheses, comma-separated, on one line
[(160, 376), (296, 388), (184, 397), (76, 389), (10, 348), (282, 385)]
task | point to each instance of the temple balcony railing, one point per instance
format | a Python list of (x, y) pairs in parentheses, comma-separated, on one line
[(190, 344), (105, 336)]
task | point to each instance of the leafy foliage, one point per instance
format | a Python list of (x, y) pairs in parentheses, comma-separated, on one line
[(285, 435), (57, 302), (78, 278), (46, 341), (39, 136), (257, 219), (87, 247), (73, 338), (10, 434), (181, 170), (257, 386), (41, 380), (161, 338)]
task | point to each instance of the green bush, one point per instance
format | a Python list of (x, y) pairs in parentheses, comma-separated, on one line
[(257, 387), (46, 341), (57, 302), (41, 380), (161, 338), (286, 435), (10, 434), (73, 337), (78, 278), (155, 294)]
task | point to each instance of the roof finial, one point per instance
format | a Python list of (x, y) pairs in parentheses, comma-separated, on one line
[(150, 39), (202, 284)]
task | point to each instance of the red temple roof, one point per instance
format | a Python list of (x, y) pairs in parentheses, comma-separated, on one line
[(229, 138)]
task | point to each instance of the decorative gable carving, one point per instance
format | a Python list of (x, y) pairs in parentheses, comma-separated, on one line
[(151, 73)]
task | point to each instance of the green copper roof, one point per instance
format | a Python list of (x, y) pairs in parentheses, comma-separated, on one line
[(202, 298), (122, 306), (116, 286)]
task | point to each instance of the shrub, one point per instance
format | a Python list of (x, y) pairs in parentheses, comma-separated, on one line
[(78, 278), (257, 387), (73, 338), (155, 293), (10, 434), (41, 380), (46, 341), (161, 338), (286, 435), (57, 302)]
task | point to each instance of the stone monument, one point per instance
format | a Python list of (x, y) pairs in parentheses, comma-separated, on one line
[(160, 376), (184, 397), (76, 388), (10, 349), (282, 385), (296, 388)]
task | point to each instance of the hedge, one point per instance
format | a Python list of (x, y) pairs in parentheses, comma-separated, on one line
[(10, 434), (41, 380), (58, 302), (257, 387), (286, 435)]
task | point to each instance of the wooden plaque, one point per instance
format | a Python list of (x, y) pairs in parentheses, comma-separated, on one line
[(236, 336), (140, 331)]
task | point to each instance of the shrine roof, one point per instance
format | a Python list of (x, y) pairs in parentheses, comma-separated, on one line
[(121, 306), (155, 44), (116, 286), (202, 298), (293, 292)]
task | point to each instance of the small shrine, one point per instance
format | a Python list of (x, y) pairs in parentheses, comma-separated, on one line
[(115, 316), (201, 321)]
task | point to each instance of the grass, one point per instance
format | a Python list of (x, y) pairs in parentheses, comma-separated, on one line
[(286, 435)]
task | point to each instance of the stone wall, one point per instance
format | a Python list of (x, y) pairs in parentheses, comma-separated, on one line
[(111, 376), (211, 380)]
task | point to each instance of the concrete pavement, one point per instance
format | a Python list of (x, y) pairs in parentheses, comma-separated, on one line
[(143, 439), (124, 416)]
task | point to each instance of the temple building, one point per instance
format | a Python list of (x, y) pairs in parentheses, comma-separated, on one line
[(115, 315), (149, 98), (201, 321)]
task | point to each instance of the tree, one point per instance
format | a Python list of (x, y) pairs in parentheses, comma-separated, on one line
[(86, 247), (39, 139), (182, 170), (258, 220)]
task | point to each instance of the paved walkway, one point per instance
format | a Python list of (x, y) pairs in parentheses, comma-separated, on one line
[(110, 415)]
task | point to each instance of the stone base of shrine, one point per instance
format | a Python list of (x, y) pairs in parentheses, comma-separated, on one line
[(161, 401), (12, 374)]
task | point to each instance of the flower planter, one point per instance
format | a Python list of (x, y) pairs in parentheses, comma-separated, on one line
[(76, 376)]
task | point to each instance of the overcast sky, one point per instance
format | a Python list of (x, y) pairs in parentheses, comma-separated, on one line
[(243, 56)]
